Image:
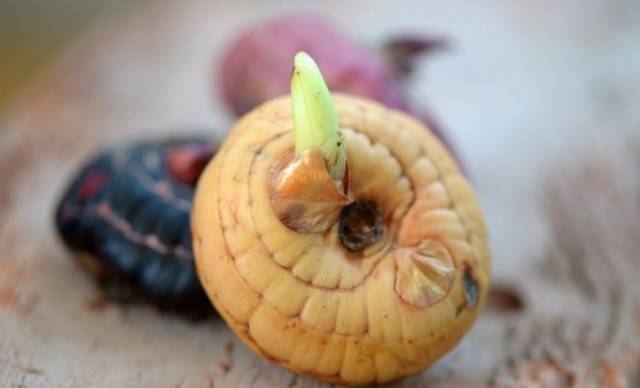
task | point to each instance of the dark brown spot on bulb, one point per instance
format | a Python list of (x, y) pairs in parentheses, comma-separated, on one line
[(361, 225)]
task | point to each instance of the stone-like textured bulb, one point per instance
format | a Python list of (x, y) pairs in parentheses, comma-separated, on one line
[(362, 281)]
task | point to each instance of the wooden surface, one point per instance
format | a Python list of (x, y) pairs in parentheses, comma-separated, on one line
[(525, 88)]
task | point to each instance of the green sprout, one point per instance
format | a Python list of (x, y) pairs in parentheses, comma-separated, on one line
[(315, 120)]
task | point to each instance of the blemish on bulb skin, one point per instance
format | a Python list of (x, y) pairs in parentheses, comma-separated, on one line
[(360, 225), (470, 288)]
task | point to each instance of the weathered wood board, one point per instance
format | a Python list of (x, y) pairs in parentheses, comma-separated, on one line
[(526, 86)]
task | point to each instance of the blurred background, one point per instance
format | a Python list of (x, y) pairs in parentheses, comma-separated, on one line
[(32, 31)]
